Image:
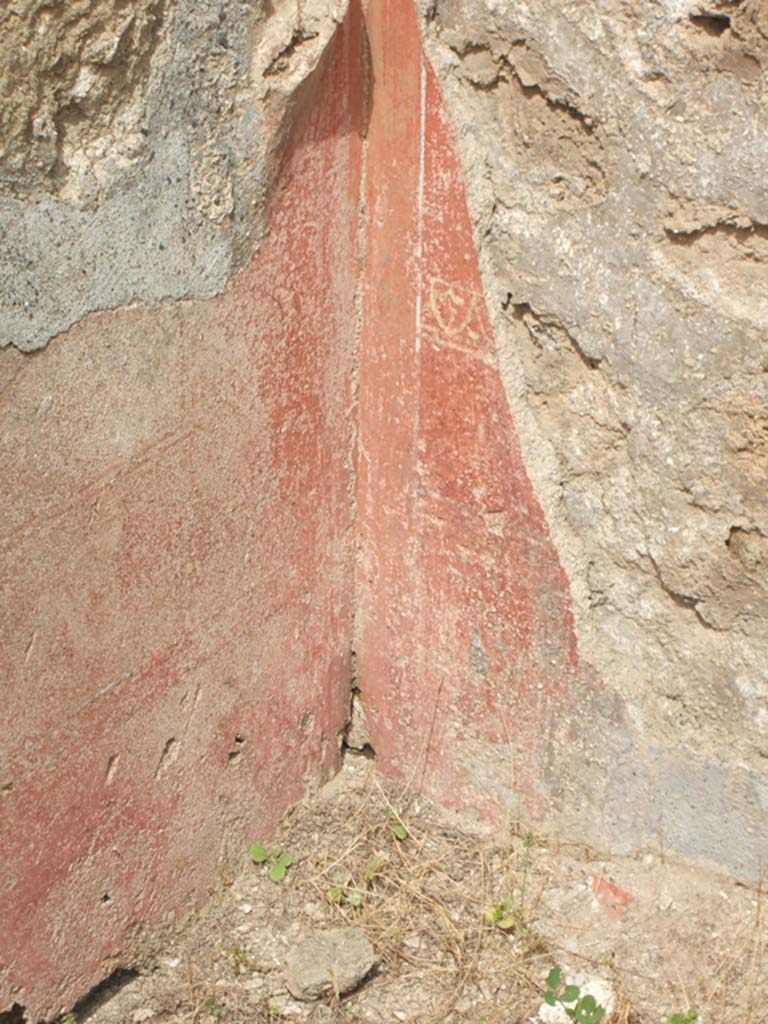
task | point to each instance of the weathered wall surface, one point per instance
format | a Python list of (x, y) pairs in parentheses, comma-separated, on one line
[(563, 582), (175, 578), (466, 650), (615, 160), (140, 141), (537, 415)]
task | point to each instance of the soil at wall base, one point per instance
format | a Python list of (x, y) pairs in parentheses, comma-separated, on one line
[(648, 936)]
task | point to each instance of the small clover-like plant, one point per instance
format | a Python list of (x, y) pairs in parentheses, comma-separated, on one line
[(682, 1018), (399, 831), (213, 1008), (585, 1008), (278, 860), (503, 915), (341, 894)]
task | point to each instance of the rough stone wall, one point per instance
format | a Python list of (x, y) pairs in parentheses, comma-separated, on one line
[(74, 94), (615, 158), (139, 139)]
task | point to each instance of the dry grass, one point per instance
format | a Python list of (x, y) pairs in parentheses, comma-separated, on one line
[(740, 977), (426, 900)]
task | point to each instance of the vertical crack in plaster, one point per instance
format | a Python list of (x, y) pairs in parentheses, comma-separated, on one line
[(356, 451), (417, 586)]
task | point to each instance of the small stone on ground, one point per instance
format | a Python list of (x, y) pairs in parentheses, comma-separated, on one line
[(329, 963)]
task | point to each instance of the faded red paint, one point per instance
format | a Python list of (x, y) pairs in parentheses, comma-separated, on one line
[(179, 540), (465, 638), (615, 901), (176, 572)]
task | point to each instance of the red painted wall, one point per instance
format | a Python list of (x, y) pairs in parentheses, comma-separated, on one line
[(465, 639), (176, 575), (179, 538)]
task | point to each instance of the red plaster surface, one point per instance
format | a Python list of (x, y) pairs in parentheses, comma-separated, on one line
[(612, 899), (175, 572), (178, 541), (465, 638)]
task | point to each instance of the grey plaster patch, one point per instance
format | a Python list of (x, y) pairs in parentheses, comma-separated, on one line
[(162, 197), (624, 795), (684, 803), (58, 263)]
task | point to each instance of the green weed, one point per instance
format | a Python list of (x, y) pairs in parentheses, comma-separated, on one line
[(509, 915), (503, 915), (278, 860), (238, 958), (354, 895), (272, 1012), (343, 894), (585, 1008), (213, 1008), (373, 868), (397, 825)]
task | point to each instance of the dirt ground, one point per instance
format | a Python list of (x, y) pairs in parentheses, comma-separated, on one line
[(466, 925)]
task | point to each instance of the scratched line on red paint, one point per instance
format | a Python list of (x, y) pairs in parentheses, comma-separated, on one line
[(109, 477), (186, 640)]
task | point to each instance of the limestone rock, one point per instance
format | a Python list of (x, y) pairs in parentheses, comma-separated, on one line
[(357, 735), (329, 963)]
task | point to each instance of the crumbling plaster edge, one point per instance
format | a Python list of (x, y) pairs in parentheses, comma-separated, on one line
[(275, 92)]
